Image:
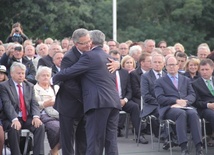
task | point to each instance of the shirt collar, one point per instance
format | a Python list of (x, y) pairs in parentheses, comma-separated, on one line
[(176, 76)]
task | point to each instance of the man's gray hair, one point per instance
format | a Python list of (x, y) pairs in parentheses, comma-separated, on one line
[(134, 50), (97, 37), (17, 64), (78, 33)]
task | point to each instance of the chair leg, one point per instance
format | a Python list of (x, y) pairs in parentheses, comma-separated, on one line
[(170, 144), (160, 127), (26, 143), (138, 134), (127, 125), (205, 134), (151, 131)]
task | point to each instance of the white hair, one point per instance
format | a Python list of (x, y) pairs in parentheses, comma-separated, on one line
[(134, 50)]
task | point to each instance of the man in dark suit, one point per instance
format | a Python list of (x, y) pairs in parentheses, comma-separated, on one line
[(175, 96), (125, 94), (48, 60), (57, 59), (150, 106), (100, 98), (145, 66), (18, 56), (204, 90), (69, 99), (21, 110)]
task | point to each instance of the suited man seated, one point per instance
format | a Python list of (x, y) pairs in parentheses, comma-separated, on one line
[(125, 94), (175, 97), (18, 56), (21, 110), (150, 106), (48, 59), (57, 59), (135, 76), (204, 90)]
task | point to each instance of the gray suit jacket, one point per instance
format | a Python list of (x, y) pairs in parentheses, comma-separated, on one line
[(167, 94), (10, 100), (148, 93)]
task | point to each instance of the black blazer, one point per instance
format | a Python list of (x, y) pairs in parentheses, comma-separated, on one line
[(69, 97), (54, 70), (45, 61), (125, 84), (203, 95), (135, 77), (167, 94), (98, 84)]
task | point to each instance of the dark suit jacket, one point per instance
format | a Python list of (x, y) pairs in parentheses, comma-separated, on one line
[(125, 84), (203, 95), (10, 100), (167, 94), (187, 74), (54, 70), (45, 61), (98, 84), (135, 84), (148, 93), (69, 97), (30, 69)]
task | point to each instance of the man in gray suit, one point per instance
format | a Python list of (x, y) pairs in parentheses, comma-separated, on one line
[(175, 97), (21, 110), (100, 98), (150, 106)]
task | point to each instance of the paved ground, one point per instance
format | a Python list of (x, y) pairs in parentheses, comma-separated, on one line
[(127, 146)]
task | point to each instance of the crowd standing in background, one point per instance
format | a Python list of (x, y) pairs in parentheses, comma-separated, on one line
[(78, 65)]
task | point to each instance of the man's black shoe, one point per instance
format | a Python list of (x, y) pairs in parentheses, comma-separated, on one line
[(119, 133), (184, 152), (199, 152), (166, 145), (143, 140)]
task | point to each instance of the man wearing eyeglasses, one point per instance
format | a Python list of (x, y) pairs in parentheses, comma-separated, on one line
[(175, 97)]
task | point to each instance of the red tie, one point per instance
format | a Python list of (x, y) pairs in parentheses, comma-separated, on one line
[(22, 104)]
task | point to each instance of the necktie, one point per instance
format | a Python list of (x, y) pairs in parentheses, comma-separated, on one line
[(175, 82), (159, 75), (210, 87), (22, 103)]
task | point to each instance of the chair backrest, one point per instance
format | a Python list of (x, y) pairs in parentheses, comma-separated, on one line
[(141, 103)]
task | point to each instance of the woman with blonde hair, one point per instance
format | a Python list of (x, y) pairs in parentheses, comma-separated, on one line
[(128, 63), (191, 68)]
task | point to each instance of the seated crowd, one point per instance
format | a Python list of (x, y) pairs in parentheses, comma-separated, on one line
[(171, 84)]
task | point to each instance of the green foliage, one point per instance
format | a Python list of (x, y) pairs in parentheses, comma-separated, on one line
[(189, 22)]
